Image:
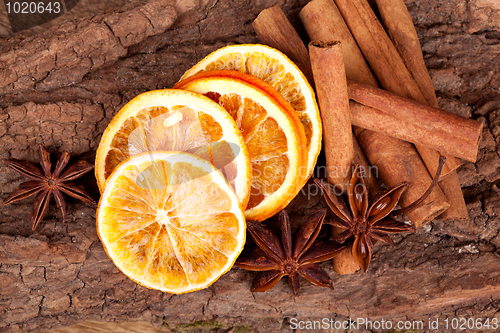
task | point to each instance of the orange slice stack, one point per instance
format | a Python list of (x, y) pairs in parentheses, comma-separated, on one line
[(180, 169)]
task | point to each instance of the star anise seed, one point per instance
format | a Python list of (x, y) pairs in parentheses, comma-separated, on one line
[(44, 183), (363, 222), (275, 258)]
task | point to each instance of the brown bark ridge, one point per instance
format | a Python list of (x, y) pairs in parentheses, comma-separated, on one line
[(60, 275), (65, 54)]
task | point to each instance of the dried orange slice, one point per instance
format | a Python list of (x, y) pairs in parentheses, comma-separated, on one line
[(281, 73), (170, 221), (177, 120), (272, 138)]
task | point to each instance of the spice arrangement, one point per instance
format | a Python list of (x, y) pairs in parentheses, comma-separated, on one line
[(185, 172), (370, 57), (166, 218)]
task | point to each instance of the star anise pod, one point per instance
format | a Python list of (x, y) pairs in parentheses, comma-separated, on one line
[(367, 222), (44, 183), (275, 258)]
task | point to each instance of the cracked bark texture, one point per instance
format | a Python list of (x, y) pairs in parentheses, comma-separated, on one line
[(62, 87)]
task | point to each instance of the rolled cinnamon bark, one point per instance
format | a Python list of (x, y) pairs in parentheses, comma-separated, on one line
[(395, 165), (323, 21), (274, 29), (344, 262), (323, 15), (377, 48), (370, 172), (399, 26), (453, 191), (387, 65), (331, 88), (399, 117)]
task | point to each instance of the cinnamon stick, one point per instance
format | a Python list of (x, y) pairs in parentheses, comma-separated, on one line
[(401, 30), (274, 29), (323, 21), (326, 18), (399, 26), (331, 88), (371, 173), (387, 65), (453, 191), (377, 48), (384, 112), (434, 205), (276, 33), (344, 262)]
